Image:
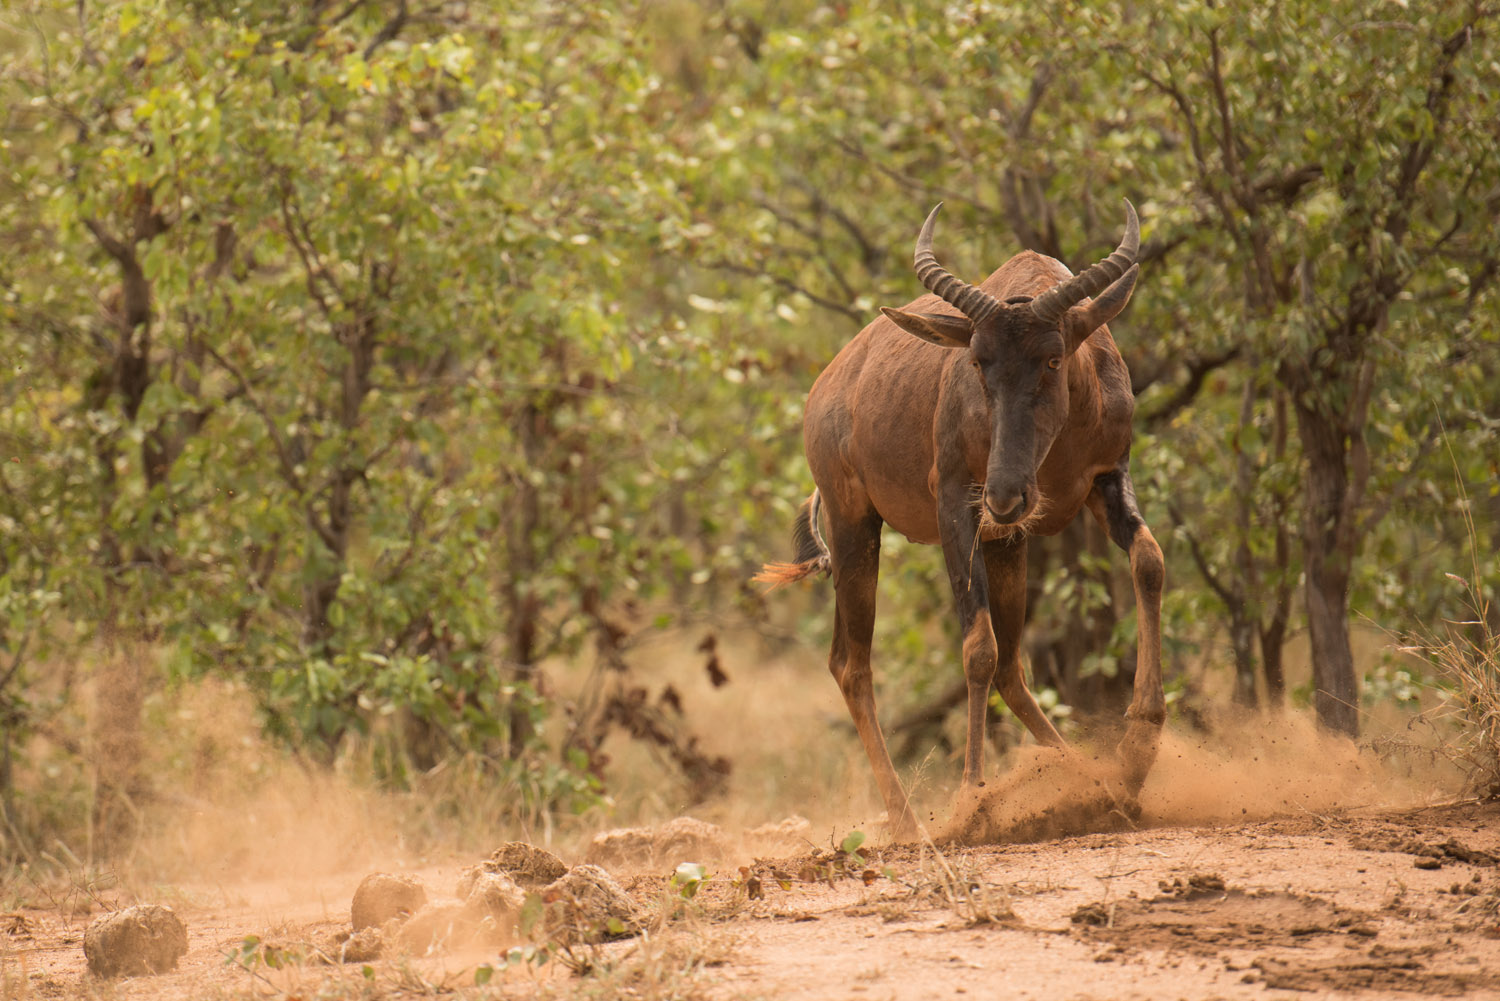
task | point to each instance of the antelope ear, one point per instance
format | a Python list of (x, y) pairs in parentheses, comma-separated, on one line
[(1084, 320), (943, 329)]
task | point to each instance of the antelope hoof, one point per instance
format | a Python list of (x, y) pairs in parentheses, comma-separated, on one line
[(970, 794), (1137, 751)]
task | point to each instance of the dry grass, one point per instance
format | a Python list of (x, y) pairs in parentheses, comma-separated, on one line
[(960, 885), (1468, 657), (661, 966)]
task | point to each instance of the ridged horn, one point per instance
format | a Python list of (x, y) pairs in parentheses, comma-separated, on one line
[(1053, 303), (973, 302)]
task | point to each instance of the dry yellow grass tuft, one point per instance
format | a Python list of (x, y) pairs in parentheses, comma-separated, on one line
[(1468, 656)]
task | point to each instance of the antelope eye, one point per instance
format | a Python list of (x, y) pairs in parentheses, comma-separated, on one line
[(1054, 363)]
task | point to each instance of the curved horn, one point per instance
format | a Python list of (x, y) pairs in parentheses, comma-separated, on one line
[(1053, 303), (972, 301)]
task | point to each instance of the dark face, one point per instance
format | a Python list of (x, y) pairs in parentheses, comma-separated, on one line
[(1020, 350), (1021, 363)]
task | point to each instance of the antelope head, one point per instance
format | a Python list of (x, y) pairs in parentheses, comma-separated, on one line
[(1020, 350)]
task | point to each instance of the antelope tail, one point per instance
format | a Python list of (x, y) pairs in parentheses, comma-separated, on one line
[(812, 552)]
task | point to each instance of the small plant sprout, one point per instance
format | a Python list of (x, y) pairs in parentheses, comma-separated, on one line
[(531, 913), (850, 846), (689, 878), (520, 956)]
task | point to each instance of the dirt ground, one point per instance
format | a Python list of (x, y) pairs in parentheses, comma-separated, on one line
[(1351, 903)]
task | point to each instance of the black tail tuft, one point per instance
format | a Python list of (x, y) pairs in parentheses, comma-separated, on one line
[(804, 542)]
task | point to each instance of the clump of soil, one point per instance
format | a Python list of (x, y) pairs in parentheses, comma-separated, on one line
[(363, 946), (490, 894), (687, 840), (681, 840), (449, 924), (1095, 913), (382, 896), (587, 905), (1198, 884), (529, 866), (784, 838), (581, 905), (1049, 794), (1450, 849), (623, 848), (1397, 971), (136, 941)]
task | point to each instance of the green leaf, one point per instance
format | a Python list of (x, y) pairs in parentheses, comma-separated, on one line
[(689, 877), (531, 913)]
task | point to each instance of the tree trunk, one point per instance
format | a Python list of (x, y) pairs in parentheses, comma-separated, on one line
[(1242, 642), (1271, 640), (1241, 630), (1328, 543), (525, 609), (1273, 630), (332, 526), (1336, 694), (118, 703)]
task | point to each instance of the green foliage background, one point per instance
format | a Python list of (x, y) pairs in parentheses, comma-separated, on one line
[(374, 353)]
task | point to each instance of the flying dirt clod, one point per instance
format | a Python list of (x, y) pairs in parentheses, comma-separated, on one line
[(136, 941)]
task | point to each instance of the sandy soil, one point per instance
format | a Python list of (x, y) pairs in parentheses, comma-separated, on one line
[(1352, 904), (1312, 906)]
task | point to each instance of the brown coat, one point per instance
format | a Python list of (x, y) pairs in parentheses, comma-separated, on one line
[(970, 418)]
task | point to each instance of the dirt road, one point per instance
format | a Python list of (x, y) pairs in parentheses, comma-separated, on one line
[(1305, 907), (1354, 904)]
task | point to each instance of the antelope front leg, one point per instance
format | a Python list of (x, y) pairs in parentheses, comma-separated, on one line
[(989, 589), (1112, 501), (958, 525), (1005, 561)]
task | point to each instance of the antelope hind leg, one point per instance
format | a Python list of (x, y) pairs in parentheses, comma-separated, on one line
[(1148, 708), (855, 551)]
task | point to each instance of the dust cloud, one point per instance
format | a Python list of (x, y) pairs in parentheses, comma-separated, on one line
[(1241, 772), (1266, 768), (230, 806)]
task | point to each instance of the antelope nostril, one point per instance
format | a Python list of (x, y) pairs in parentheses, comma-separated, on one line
[(1006, 510)]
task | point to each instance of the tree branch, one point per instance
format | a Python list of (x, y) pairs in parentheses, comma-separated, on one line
[(300, 235), (1195, 142), (1227, 149), (388, 31), (1198, 371), (791, 286), (283, 455), (1228, 597)]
